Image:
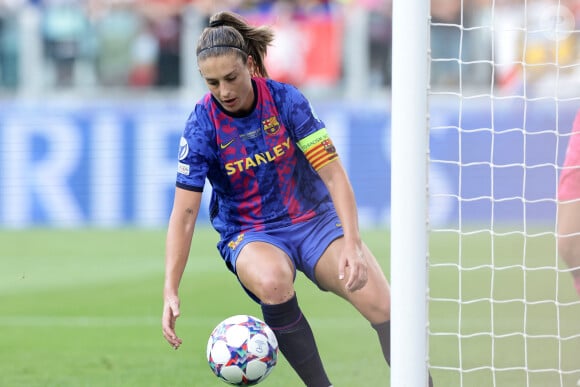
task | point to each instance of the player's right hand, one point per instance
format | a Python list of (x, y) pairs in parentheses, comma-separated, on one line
[(353, 259), (170, 314)]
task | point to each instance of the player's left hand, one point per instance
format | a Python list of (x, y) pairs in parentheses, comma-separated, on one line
[(353, 265)]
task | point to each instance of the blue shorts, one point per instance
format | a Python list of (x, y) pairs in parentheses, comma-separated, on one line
[(303, 242)]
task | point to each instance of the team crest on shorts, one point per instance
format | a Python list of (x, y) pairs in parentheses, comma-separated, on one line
[(233, 244), (271, 125)]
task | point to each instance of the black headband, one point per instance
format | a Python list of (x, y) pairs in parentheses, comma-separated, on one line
[(217, 23), (220, 45)]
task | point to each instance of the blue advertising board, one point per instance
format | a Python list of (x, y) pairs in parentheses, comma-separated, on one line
[(113, 163)]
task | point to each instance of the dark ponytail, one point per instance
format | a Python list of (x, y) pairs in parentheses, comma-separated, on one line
[(228, 32)]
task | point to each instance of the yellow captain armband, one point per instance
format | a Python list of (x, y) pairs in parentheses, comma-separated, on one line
[(318, 149)]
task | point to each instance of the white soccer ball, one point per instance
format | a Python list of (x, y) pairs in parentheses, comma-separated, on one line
[(242, 350)]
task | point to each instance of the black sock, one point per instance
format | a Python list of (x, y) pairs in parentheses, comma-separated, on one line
[(296, 341), (384, 332)]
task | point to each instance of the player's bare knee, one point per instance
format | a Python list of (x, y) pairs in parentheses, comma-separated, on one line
[(381, 312), (274, 290)]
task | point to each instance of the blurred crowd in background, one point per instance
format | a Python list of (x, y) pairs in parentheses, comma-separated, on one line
[(137, 44)]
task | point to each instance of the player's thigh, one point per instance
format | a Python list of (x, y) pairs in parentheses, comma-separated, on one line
[(266, 271), (373, 300), (569, 230)]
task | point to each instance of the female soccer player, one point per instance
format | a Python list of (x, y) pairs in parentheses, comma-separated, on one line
[(569, 206), (281, 199)]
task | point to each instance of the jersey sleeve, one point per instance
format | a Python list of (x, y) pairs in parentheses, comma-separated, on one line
[(195, 152), (307, 129)]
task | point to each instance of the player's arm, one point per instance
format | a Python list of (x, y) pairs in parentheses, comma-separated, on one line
[(334, 176), (315, 143), (178, 243), (321, 153)]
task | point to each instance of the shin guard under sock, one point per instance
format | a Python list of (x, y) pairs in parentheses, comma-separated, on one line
[(296, 341)]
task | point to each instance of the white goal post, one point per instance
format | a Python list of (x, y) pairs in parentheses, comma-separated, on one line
[(408, 193)]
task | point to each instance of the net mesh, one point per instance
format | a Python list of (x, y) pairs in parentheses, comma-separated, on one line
[(503, 95)]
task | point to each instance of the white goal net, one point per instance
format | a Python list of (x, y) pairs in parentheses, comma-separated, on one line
[(504, 91)]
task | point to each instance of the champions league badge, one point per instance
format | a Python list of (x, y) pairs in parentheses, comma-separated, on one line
[(183, 148)]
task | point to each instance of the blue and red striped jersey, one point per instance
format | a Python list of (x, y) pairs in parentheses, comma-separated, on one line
[(262, 166)]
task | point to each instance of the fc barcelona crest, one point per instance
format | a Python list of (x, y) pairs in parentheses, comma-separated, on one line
[(271, 125), (328, 146)]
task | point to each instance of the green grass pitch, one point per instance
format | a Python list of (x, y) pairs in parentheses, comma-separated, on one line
[(83, 308)]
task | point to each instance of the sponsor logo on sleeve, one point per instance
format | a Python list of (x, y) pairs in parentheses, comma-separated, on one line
[(183, 169)]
